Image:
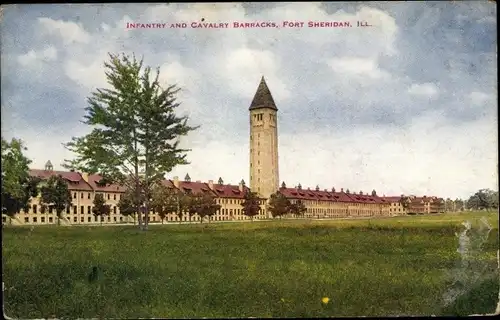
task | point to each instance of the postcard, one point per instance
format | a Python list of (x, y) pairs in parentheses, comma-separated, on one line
[(191, 160)]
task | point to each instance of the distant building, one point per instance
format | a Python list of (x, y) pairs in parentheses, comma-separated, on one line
[(415, 205)]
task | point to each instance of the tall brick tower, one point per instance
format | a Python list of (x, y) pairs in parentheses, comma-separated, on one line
[(264, 177)]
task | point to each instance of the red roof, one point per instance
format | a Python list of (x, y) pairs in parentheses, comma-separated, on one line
[(392, 198), (319, 195), (95, 178), (75, 180), (194, 187), (229, 191)]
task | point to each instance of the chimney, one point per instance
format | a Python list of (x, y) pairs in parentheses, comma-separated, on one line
[(240, 186), (341, 189), (176, 182), (211, 184), (85, 176)]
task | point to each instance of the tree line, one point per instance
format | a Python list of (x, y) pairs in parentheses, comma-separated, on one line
[(483, 199)]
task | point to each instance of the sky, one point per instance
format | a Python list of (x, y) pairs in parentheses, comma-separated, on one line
[(407, 105)]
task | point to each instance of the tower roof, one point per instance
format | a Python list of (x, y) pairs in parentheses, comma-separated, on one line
[(263, 97)]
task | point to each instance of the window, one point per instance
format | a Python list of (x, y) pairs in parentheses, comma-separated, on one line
[(50, 219), (34, 208), (26, 220), (67, 210), (114, 197), (74, 195), (81, 195), (81, 219), (42, 209), (89, 219), (121, 219), (74, 219), (82, 209), (34, 219), (108, 196), (114, 210), (95, 218), (114, 218), (89, 210), (258, 170), (258, 162), (74, 210), (88, 195), (43, 220)]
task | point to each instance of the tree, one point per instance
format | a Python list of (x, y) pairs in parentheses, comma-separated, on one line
[(183, 201), (100, 209), (128, 205), (250, 204), (449, 205), (55, 194), (193, 204), (484, 199), (17, 185), (298, 208), (208, 207), (135, 135), (164, 200), (278, 205), (459, 204), (405, 202)]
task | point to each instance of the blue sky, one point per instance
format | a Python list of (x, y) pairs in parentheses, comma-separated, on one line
[(408, 105)]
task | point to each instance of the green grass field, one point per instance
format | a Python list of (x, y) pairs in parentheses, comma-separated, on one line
[(377, 267)]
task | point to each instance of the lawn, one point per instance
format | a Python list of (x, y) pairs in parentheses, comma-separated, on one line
[(376, 267)]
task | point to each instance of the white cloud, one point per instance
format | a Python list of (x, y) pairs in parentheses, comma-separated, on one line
[(90, 75), (173, 72), (478, 98), (248, 66), (33, 58), (358, 67), (68, 31), (425, 158), (425, 89)]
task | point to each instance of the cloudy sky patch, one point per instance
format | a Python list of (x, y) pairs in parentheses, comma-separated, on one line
[(406, 106)]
